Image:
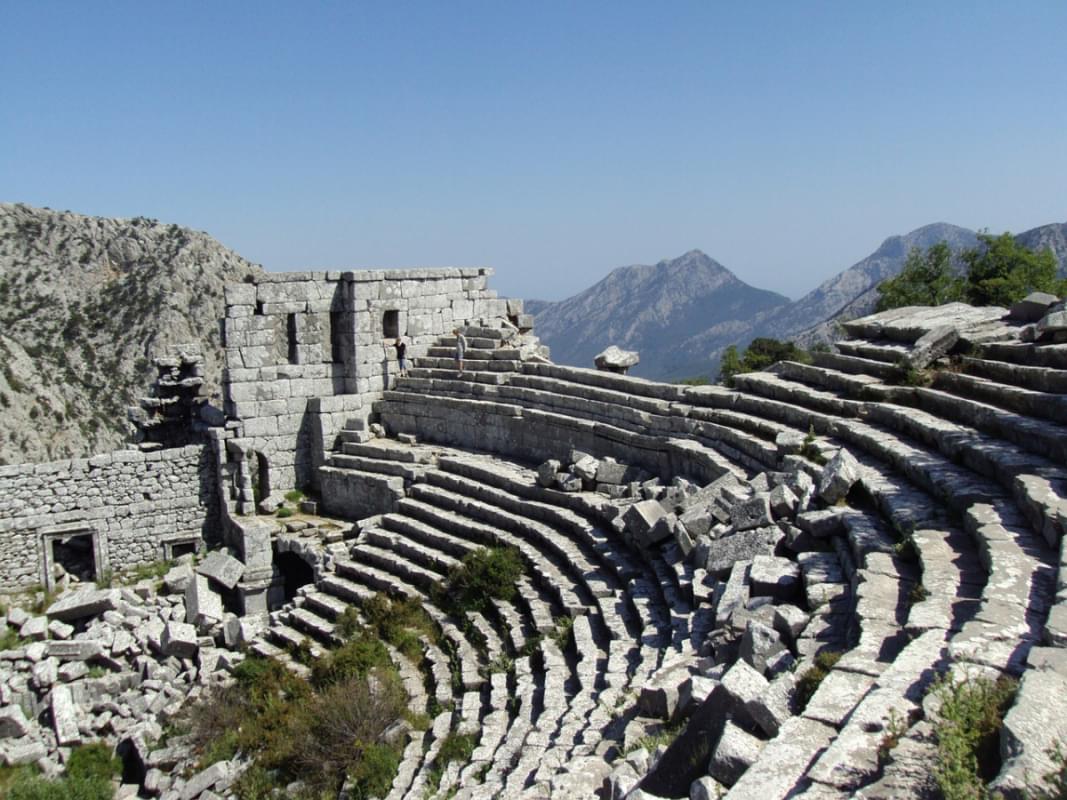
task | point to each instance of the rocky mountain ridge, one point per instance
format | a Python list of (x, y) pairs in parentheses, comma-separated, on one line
[(86, 303), (658, 310), (698, 343)]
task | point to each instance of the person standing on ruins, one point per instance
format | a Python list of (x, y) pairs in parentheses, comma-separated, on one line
[(402, 356), (461, 348)]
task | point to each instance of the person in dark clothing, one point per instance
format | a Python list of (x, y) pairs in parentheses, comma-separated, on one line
[(402, 356)]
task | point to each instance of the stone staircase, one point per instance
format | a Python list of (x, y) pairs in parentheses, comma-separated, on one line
[(554, 704)]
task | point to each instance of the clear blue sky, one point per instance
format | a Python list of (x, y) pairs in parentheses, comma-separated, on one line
[(553, 141)]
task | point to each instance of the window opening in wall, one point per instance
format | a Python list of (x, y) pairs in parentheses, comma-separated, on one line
[(173, 550), (290, 332), (336, 352), (294, 572), (391, 324), (259, 308)]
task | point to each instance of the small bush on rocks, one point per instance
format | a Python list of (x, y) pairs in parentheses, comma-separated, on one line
[(810, 680), (971, 715), (88, 777), (484, 574)]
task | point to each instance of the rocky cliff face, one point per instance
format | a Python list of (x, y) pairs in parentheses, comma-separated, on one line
[(86, 303), (1048, 237), (676, 313)]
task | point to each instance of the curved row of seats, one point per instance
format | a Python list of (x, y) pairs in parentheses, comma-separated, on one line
[(966, 474), (532, 706)]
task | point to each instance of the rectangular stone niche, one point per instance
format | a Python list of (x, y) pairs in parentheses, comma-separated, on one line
[(175, 548), (80, 550)]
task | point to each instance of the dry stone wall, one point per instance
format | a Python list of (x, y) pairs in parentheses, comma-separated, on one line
[(135, 504), (307, 352)]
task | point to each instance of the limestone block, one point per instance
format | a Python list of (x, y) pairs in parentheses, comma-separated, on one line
[(735, 752), (1033, 726), (706, 788), (65, 716), (759, 644), (783, 502), (744, 686), (838, 476), (742, 546), (13, 722), (774, 577), (772, 708), (177, 578), (1032, 307), (790, 622), (35, 628), (752, 513), (932, 345), (179, 639), (203, 605), (614, 359), (546, 473), (586, 468), (640, 518), (78, 650), (222, 568), (83, 603), (28, 752), (218, 773)]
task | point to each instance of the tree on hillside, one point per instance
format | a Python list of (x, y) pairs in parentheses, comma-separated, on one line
[(760, 354), (928, 279), (1000, 271)]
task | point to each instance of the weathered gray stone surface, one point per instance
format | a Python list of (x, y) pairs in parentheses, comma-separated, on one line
[(222, 568), (83, 603), (753, 513), (64, 716), (932, 345), (1034, 725), (735, 752), (614, 359), (179, 639), (838, 476)]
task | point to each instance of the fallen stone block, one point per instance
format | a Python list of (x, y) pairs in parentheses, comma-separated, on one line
[(931, 346), (743, 685), (179, 639), (64, 716), (838, 477), (774, 577), (610, 471), (760, 644), (218, 773), (546, 473), (177, 578), (771, 709), (790, 622), (586, 468), (87, 602), (24, 752), (74, 650), (783, 502), (203, 605), (640, 518), (222, 568), (1032, 307), (735, 752), (34, 629), (13, 723), (823, 523), (1034, 725), (614, 359), (743, 546), (706, 788), (752, 513)]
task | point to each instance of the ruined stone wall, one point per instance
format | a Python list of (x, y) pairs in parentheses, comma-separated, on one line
[(308, 351), (136, 503)]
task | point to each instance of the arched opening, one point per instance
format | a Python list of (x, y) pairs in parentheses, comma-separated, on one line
[(292, 572)]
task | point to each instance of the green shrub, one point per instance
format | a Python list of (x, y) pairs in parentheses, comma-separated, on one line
[(348, 623), (294, 496), (483, 575), (967, 733), (373, 774), (812, 677), (88, 777), (355, 658), (285, 511)]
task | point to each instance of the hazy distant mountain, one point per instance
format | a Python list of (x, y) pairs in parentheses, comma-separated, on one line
[(1048, 237), (678, 314), (85, 304)]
